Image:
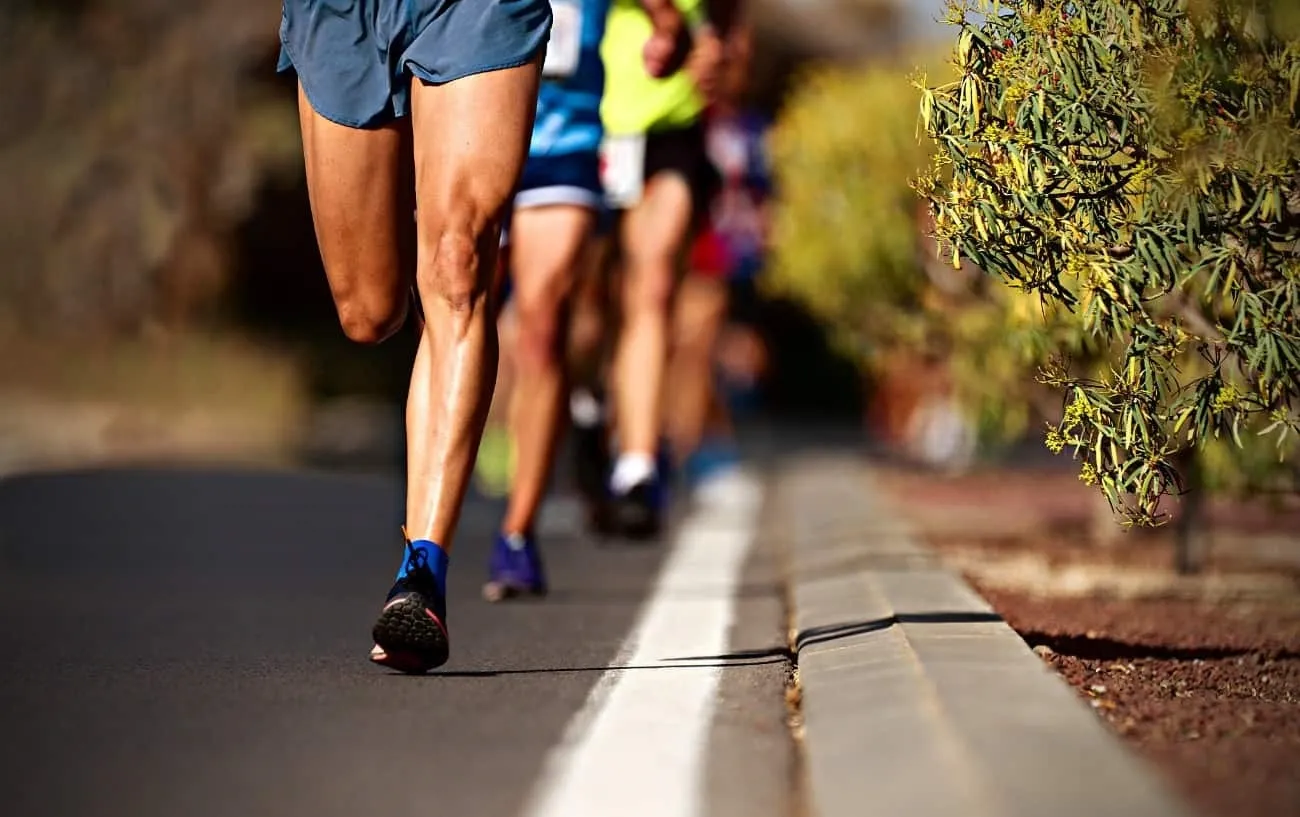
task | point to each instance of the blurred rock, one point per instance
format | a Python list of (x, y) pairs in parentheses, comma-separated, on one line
[(132, 135)]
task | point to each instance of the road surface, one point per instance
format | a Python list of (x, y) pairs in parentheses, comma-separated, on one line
[(193, 642)]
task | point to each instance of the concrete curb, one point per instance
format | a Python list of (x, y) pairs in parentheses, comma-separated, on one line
[(918, 699)]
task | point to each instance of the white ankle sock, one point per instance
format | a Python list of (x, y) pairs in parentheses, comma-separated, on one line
[(631, 469)]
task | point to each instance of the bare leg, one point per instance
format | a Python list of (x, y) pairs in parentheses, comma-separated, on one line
[(591, 332), (588, 325), (362, 195), (471, 138), (689, 393), (654, 232), (546, 245)]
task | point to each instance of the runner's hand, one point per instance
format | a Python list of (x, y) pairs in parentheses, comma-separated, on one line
[(658, 54), (666, 50)]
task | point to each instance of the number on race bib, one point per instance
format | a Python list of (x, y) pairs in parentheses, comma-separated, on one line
[(565, 46), (622, 169)]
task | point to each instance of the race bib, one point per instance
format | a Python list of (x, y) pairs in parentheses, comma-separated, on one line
[(565, 45), (622, 169)]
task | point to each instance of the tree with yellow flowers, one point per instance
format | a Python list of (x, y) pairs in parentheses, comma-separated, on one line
[(1133, 167)]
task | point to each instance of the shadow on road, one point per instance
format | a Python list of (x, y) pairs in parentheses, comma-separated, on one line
[(834, 632), (752, 657), (762, 658)]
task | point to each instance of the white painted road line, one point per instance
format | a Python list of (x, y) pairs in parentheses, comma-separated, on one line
[(637, 747)]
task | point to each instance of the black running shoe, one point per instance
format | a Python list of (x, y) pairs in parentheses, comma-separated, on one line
[(411, 632), (638, 513)]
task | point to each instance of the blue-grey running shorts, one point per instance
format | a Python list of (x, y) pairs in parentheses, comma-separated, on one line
[(355, 58)]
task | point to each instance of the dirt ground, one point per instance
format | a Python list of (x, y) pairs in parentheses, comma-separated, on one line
[(1199, 674), (1209, 692)]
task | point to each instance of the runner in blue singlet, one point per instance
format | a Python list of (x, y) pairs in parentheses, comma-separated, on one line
[(554, 212)]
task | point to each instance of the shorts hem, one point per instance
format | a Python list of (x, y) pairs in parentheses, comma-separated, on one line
[(371, 123), (559, 194), (425, 75), (399, 112)]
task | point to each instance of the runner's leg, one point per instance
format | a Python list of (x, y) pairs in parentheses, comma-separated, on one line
[(470, 139), (546, 247), (589, 326), (689, 393), (591, 333), (654, 232), (362, 195)]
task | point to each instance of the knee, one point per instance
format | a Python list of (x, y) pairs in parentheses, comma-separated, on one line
[(452, 272), (540, 339), (371, 320), (450, 275), (648, 288)]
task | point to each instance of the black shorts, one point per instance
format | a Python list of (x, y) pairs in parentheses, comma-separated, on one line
[(683, 151)]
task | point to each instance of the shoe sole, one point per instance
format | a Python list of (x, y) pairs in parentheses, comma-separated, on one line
[(414, 640), (637, 522)]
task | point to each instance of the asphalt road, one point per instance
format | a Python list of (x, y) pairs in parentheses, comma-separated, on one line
[(194, 642)]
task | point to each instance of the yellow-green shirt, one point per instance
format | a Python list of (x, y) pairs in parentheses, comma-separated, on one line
[(634, 101)]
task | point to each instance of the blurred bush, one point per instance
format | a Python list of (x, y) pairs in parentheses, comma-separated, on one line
[(844, 228), (849, 241), (133, 134)]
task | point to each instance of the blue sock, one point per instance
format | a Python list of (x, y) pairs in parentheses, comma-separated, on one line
[(423, 551)]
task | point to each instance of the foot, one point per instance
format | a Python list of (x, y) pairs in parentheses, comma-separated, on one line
[(711, 460), (411, 631), (515, 569), (638, 487), (637, 512)]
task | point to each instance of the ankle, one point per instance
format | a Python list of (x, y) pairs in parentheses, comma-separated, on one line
[(425, 554), (631, 469)]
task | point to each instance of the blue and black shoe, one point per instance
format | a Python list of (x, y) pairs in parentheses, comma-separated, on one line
[(411, 632), (515, 568)]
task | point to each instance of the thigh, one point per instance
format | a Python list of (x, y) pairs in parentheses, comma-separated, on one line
[(654, 231), (360, 185), (546, 248), (471, 138)]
